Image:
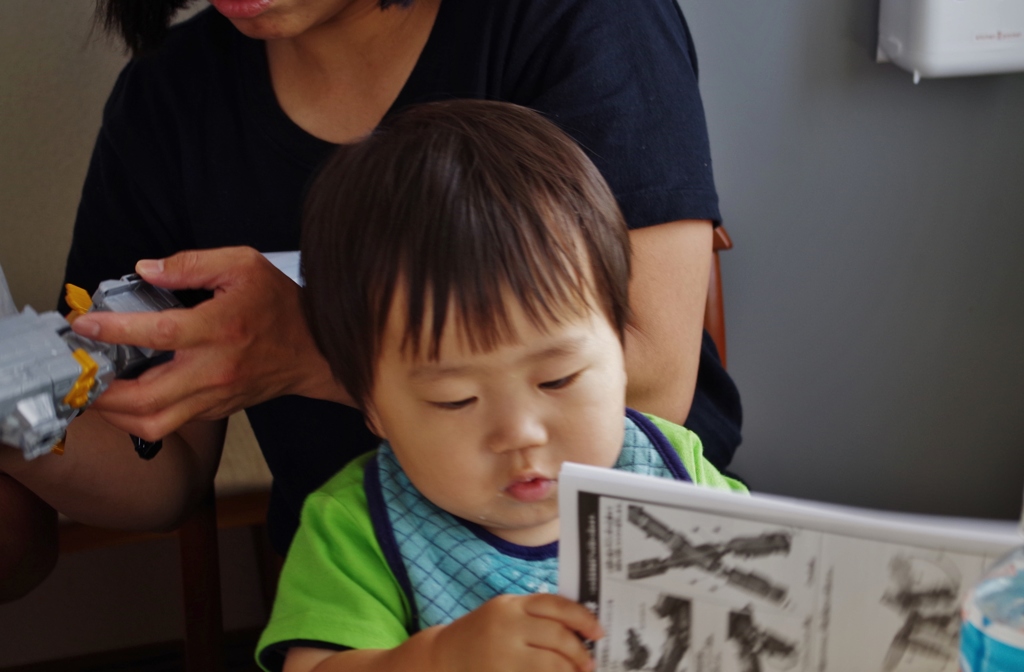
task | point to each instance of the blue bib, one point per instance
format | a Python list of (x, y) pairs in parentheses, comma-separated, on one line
[(449, 566)]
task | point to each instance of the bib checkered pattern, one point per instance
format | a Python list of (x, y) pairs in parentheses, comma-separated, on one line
[(453, 565)]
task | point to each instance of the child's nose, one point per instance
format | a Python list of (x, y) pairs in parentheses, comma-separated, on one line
[(517, 428)]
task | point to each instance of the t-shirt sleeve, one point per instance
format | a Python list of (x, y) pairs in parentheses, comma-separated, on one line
[(621, 78), (691, 452), (336, 590)]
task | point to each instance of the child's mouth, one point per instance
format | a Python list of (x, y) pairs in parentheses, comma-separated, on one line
[(531, 490)]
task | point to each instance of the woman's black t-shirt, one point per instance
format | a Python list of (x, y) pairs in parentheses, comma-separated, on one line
[(195, 152)]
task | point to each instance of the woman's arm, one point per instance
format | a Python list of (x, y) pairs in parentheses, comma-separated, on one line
[(100, 480), (668, 290)]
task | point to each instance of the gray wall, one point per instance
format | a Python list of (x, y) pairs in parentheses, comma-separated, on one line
[(875, 297), (54, 78)]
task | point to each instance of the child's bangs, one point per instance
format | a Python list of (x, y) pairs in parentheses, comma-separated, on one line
[(480, 268)]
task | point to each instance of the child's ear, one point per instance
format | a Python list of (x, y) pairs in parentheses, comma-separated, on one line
[(373, 421)]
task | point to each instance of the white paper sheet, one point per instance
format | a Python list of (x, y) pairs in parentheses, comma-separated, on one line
[(686, 578), (288, 263)]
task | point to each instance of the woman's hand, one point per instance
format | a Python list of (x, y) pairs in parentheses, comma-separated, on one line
[(247, 344), (518, 633)]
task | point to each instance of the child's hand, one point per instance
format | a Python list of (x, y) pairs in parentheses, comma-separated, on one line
[(519, 633)]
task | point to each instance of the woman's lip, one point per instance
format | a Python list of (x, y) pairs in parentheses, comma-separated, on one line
[(531, 488), (241, 9)]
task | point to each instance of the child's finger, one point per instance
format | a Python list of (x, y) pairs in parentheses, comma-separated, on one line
[(552, 636), (570, 614)]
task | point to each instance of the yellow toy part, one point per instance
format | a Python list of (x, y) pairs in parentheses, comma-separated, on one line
[(58, 448), (79, 394), (78, 300)]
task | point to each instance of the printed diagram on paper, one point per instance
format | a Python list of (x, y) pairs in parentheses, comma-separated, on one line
[(683, 589)]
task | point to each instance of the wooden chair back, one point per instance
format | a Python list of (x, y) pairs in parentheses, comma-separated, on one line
[(714, 310)]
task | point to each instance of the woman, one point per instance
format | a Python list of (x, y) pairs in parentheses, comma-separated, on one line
[(208, 141)]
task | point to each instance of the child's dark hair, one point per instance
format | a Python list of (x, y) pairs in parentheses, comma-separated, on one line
[(467, 201)]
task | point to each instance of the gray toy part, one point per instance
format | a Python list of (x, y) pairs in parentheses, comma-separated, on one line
[(38, 367), (37, 371), (132, 294), (7, 306)]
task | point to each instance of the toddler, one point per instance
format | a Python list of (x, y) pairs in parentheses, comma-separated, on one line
[(466, 274)]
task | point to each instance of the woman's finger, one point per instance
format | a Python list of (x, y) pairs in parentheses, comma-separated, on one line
[(200, 269), (173, 329)]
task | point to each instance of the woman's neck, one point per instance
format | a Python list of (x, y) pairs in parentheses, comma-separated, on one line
[(338, 78)]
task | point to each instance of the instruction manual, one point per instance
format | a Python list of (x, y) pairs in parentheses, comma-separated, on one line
[(688, 578)]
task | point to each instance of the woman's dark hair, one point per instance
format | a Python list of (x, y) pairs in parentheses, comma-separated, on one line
[(142, 24), (468, 202)]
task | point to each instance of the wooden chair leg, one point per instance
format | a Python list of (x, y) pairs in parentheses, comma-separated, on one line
[(200, 574)]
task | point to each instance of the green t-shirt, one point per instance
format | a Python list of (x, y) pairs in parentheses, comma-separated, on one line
[(337, 589)]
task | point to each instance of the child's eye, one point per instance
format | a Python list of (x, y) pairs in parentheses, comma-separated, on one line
[(454, 406), (560, 383)]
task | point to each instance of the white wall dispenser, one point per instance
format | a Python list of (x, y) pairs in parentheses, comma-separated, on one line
[(951, 38)]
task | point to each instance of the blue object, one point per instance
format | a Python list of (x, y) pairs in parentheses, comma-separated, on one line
[(992, 635)]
